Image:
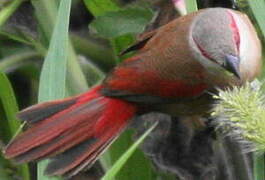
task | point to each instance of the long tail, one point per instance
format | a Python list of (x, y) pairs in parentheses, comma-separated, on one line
[(73, 131)]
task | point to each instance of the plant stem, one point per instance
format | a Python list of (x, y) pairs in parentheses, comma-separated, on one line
[(191, 5), (13, 60), (259, 166), (9, 10)]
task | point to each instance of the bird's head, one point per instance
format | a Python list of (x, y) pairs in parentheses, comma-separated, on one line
[(225, 40)]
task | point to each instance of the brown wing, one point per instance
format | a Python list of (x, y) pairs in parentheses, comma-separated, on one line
[(141, 41), (164, 67)]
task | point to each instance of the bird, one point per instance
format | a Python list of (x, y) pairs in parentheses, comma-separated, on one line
[(175, 70)]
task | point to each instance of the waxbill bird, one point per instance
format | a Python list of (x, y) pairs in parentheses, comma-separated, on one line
[(175, 70)]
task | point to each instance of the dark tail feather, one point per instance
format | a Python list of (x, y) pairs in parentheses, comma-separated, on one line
[(42, 111), (77, 158), (82, 126)]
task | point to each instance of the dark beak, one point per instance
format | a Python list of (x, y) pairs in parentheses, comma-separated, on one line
[(232, 65)]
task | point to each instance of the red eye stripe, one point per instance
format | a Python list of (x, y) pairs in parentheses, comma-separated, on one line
[(235, 30)]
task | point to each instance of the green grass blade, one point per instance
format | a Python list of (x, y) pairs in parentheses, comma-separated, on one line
[(3, 173), (14, 37), (8, 100), (122, 160), (53, 75), (54, 67), (257, 7), (18, 58), (6, 12), (9, 103), (191, 6), (46, 10), (138, 166), (75, 76)]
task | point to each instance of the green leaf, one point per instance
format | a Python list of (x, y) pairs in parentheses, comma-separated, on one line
[(120, 43), (191, 6), (111, 173), (53, 75), (8, 100), (130, 20), (257, 7), (99, 53), (99, 7)]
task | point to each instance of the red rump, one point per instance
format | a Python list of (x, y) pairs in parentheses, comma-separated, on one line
[(117, 109), (92, 117)]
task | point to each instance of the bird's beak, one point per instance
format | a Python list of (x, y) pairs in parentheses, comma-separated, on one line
[(232, 65)]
